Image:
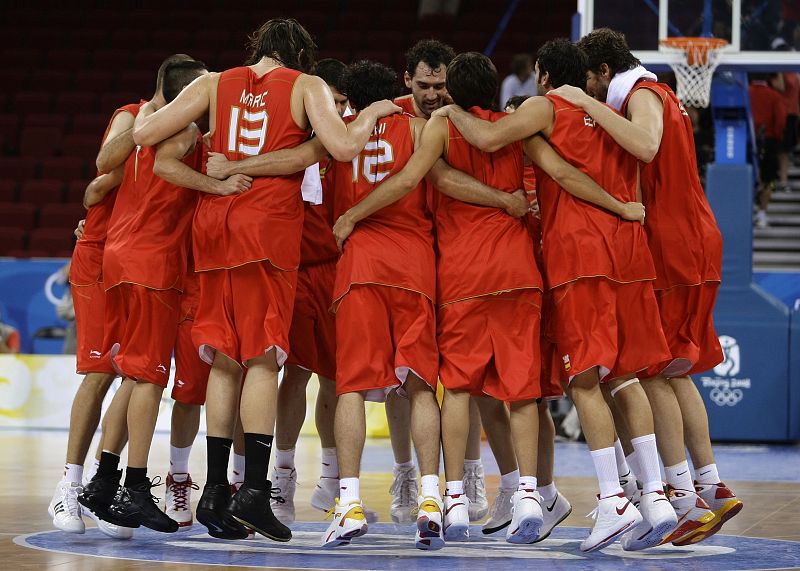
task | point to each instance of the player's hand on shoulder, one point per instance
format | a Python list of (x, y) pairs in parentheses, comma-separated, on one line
[(571, 94), (633, 211), (518, 204), (446, 111), (342, 230), (218, 166), (236, 184), (384, 108), (79, 229)]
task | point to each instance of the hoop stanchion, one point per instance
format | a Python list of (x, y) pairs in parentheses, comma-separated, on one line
[(694, 69)]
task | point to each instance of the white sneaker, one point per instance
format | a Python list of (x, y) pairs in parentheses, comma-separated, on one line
[(613, 516), (178, 500), (284, 483), (348, 522), (475, 488), (65, 509), (109, 529), (404, 494), (554, 513), (629, 486), (324, 498), (456, 517), (500, 514), (659, 520), (429, 524), (526, 519)]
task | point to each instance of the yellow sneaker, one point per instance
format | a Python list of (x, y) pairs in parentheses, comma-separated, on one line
[(349, 521)]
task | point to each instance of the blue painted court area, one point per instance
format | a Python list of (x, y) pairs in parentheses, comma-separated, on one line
[(389, 547)]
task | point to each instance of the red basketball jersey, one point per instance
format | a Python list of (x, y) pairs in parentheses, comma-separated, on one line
[(253, 117), (149, 233), (581, 240), (318, 244), (406, 102), (684, 238), (483, 250), (394, 246)]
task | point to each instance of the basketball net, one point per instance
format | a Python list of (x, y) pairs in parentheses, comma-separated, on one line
[(697, 58)]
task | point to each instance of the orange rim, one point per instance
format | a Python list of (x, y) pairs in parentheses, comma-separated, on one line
[(696, 49)]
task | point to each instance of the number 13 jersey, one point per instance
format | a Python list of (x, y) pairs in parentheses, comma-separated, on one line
[(253, 117)]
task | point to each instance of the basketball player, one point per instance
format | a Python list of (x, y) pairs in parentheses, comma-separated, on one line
[(687, 249), (608, 274), (251, 243)]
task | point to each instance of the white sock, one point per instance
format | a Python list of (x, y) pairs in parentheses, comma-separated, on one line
[(454, 488), (179, 460), (633, 464), (349, 491), (623, 470), (284, 458), (430, 486), (509, 481), (73, 473), (647, 458), (548, 492), (707, 475), (403, 465), (237, 474), (606, 467), (679, 477), (92, 469), (330, 463), (527, 483), (472, 463)]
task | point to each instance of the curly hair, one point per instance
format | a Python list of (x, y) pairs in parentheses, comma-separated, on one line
[(606, 46), (366, 82), (564, 62), (431, 52), (472, 80), (284, 40)]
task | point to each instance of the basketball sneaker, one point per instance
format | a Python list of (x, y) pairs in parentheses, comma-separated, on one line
[(212, 512), (658, 520), (629, 486), (500, 514), (251, 508), (456, 517), (178, 499), (613, 516), (324, 498), (429, 524), (475, 488), (553, 514), (65, 509), (693, 514), (109, 529), (527, 518), (282, 502), (349, 521), (404, 494), (135, 505), (99, 493), (722, 501)]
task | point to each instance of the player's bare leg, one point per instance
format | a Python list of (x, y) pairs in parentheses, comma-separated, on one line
[(185, 423), (474, 478), (455, 427), (291, 408), (555, 507), (325, 413), (404, 487), (527, 517), (85, 415)]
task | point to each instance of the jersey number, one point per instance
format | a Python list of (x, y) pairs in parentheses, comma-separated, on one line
[(248, 138), (381, 154)]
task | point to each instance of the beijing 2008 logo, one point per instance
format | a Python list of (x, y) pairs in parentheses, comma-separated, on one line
[(726, 390)]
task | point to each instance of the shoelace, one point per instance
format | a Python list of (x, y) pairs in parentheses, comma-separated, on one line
[(503, 499), (275, 494), (180, 491), (71, 500), (405, 485), (154, 483), (473, 485)]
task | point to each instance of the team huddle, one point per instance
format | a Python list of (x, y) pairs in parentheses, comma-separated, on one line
[(411, 242)]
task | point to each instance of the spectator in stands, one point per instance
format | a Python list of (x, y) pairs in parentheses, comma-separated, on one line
[(769, 121), (521, 81), (9, 338), (788, 84)]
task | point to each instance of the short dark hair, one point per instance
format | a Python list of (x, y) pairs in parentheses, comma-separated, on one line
[(366, 82), (174, 58), (564, 62), (520, 63), (432, 52), (516, 101), (607, 46), (284, 40), (331, 70), (180, 74), (472, 80)]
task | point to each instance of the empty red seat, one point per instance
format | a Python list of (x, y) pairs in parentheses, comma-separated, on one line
[(17, 215), (75, 191), (89, 39), (9, 132), (111, 101), (46, 120), (40, 142), (74, 102), (8, 190), (91, 124), (28, 102), (12, 240), (98, 79), (63, 168), (22, 57), (50, 240), (143, 82), (58, 215), (69, 59), (52, 79), (341, 40), (42, 191), (17, 168), (82, 146)]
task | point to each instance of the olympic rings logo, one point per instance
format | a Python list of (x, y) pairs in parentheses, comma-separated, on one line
[(726, 396)]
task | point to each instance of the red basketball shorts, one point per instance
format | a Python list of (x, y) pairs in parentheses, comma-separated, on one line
[(191, 372), (553, 379), (90, 306)]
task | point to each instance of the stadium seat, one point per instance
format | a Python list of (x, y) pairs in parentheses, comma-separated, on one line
[(44, 77), (8, 191), (64, 168), (28, 102), (107, 59), (137, 81), (74, 102), (75, 190), (68, 59), (12, 240), (42, 191), (91, 124), (109, 102), (58, 215), (90, 39), (40, 142), (22, 57), (17, 168), (100, 80), (50, 240), (16, 215), (82, 146), (9, 132), (46, 120), (341, 40)]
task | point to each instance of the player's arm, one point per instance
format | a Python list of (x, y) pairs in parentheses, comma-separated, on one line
[(429, 147), (578, 183), (118, 143), (461, 186), (190, 104), (343, 141), (641, 135), (534, 115), (97, 190), (170, 166), (275, 163)]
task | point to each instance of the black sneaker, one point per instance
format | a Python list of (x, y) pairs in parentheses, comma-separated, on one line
[(99, 494), (212, 512), (251, 508), (135, 506)]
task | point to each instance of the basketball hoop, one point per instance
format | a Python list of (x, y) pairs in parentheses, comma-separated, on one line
[(697, 60)]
